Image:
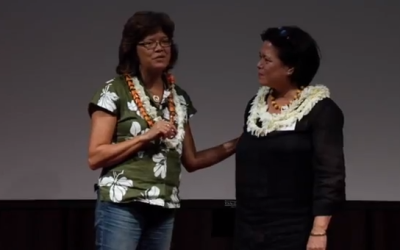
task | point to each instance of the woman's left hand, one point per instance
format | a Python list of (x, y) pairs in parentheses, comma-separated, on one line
[(171, 133), (317, 243)]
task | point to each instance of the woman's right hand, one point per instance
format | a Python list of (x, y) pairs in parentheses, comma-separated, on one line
[(161, 128)]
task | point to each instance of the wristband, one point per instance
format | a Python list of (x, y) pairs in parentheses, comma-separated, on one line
[(318, 234)]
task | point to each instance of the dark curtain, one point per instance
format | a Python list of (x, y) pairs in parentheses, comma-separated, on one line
[(200, 225)]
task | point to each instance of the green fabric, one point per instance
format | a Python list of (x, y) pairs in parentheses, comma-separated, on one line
[(152, 175)]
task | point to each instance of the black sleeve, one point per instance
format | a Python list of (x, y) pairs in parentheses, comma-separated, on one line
[(246, 113), (328, 161)]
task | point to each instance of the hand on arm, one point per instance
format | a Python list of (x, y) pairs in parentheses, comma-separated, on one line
[(104, 154), (193, 160)]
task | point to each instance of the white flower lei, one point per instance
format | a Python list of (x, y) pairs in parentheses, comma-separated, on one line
[(180, 117), (289, 115)]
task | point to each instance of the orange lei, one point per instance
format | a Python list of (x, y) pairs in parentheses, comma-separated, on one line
[(171, 104)]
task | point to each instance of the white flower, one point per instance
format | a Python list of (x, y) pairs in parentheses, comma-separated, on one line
[(179, 148), (180, 118), (174, 203), (166, 114), (151, 196), (182, 99), (164, 98), (160, 169), (165, 95), (133, 107), (288, 117), (107, 99), (175, 195), (135, 128), (118, 185), (183, 105)]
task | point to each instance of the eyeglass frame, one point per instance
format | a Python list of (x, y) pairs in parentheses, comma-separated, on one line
[(155, 43)]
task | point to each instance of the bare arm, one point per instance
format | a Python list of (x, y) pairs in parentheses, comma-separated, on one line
[(193, 160), (101, 152), (321, 224)]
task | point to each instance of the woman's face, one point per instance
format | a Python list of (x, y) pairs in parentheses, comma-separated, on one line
[(154, 52), (271, 70)]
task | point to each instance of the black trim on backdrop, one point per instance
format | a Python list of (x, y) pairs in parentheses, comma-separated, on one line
[(200, 224), (186, 204)]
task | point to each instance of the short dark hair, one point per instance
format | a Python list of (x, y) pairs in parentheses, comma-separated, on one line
[(297, 49), (140, 25)]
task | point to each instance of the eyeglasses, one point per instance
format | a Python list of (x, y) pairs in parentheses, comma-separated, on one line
[(153, 44)]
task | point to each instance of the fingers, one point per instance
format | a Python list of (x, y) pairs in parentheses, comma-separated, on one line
[(170, 125), (164, 123), (170, 134), (167, 129)]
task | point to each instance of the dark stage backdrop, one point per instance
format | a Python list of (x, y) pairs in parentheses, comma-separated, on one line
[(200, 225)]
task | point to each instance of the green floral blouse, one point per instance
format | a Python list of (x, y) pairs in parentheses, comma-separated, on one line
[(152, 175)]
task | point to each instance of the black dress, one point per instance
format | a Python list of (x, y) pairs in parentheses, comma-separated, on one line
[(285, 179)]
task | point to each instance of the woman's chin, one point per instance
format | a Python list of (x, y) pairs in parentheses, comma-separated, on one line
[(262, 82), (157, 68)]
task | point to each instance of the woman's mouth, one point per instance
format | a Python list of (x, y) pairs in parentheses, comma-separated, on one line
[(159, 57)]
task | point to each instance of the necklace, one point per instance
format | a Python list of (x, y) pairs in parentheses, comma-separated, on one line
[(156, 98), (138, 99), (299, 108), (277, 106), (177, 113)]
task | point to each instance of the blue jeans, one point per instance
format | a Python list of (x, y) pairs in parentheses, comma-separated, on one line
[(133, 226)]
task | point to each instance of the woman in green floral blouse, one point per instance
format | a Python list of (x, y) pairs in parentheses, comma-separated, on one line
[(140, 136)]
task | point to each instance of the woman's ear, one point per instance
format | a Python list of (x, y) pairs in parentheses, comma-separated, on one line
[(290, 71)]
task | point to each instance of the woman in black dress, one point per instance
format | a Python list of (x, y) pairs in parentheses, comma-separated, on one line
[(290, 170)]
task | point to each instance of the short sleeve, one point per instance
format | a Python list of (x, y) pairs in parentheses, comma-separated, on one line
[(106, 99), (328, 159), (187, 101)]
